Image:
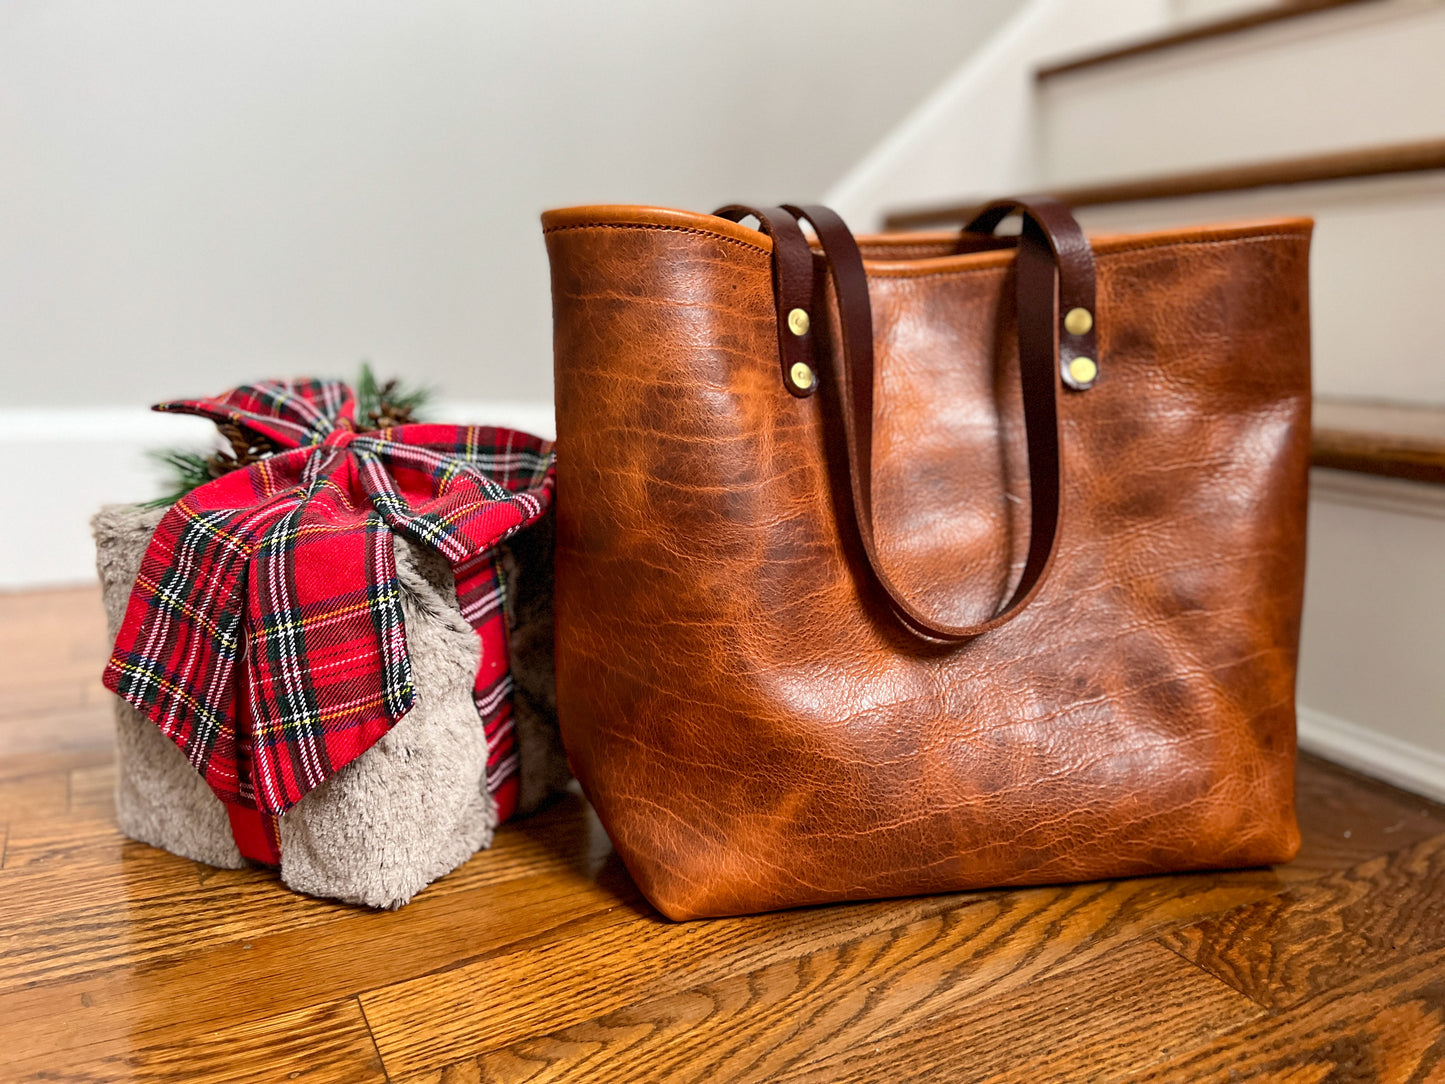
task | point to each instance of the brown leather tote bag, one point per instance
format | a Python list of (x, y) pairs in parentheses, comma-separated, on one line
[(925, 562)]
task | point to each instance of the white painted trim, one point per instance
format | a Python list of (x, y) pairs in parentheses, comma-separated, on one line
[(1377, 493), (1401, 763), (100, 453), (537, 418)]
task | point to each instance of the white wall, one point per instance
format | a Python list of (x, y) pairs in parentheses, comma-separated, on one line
[(198, 192), (977, 133)]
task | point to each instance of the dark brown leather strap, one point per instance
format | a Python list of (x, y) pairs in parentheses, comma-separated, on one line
[(1049, 221), (1052, 251), (792, 288)]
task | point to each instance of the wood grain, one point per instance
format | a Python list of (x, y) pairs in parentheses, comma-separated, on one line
[(231, 950), (70, 841), (328, 1044), (1383, 1027), (1286, 948), (1390, 456), (1344, 823), (1135, 1009), (243, 980), (34, 797), (429, 1021), (859, 993), (92, 791), (539, 960), (1416, 156)]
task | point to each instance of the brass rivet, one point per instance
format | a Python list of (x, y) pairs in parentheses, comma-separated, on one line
[(1083, 370), (1078, 321), (802, 375), (798, 323)]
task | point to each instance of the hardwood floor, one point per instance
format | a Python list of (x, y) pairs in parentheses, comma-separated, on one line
[(538, 960)]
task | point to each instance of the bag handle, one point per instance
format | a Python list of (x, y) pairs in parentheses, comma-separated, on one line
[(792, 288), (1054, 275), (1048, 221)]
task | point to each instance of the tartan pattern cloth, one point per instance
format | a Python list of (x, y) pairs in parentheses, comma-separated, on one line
[(264, 634)]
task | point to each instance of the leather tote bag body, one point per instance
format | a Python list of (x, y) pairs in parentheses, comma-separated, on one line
[(927, 562)]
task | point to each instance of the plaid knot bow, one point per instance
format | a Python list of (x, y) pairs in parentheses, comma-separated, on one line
[(264, 634)]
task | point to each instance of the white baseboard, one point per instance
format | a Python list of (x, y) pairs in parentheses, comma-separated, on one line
[(63, 463), (1409, 766)]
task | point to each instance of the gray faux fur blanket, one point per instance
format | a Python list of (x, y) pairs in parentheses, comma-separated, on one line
[(414, 806)]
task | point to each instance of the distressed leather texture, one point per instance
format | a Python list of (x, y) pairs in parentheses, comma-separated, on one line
[(753, 724)]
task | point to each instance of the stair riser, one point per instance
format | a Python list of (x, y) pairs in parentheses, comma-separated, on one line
[(1374, 616), (1377, 274), (1357, 76)]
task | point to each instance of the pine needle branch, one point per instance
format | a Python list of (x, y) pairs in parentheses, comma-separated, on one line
[(187, 469), (388, 405)]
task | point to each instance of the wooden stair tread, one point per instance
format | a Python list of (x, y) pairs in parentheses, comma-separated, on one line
[(1418, 156), (1204, 31), (1387, 439)]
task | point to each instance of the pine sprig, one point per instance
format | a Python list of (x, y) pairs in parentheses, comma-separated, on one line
[(378, 406), (187, 470), (386, 405)]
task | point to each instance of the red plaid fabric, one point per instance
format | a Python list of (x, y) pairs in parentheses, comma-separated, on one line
[(264, 634)]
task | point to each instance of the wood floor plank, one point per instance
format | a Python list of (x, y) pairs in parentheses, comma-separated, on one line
[(80, 728), (50, 636), (538, 959), (70, 842), (92, 792), (881, 991), (253, 974), (23, 765), (1383, 1027), (1286, 948), (328, 1044), (34, 797), (428, 1022), (1135, 1008), (22, 611), (22, 696), (61, 920), (750, 969), (1346, 819)]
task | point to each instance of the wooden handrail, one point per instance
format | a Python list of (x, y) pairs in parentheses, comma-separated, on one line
[(1202, 32), (1414, 157)]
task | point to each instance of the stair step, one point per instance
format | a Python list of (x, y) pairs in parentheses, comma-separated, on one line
[(1378, 438), (1377, 272), (1353, 74), (1378, 267), (1418, 156), (1187, 35)]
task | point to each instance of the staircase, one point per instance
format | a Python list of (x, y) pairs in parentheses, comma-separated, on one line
[(1335, 109)]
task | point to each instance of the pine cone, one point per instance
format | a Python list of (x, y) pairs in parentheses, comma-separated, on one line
[(388, 414), (246, 448)]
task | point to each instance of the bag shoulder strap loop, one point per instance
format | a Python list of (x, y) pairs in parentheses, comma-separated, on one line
[(1052, 222), (1052, 252), (792, 289)]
